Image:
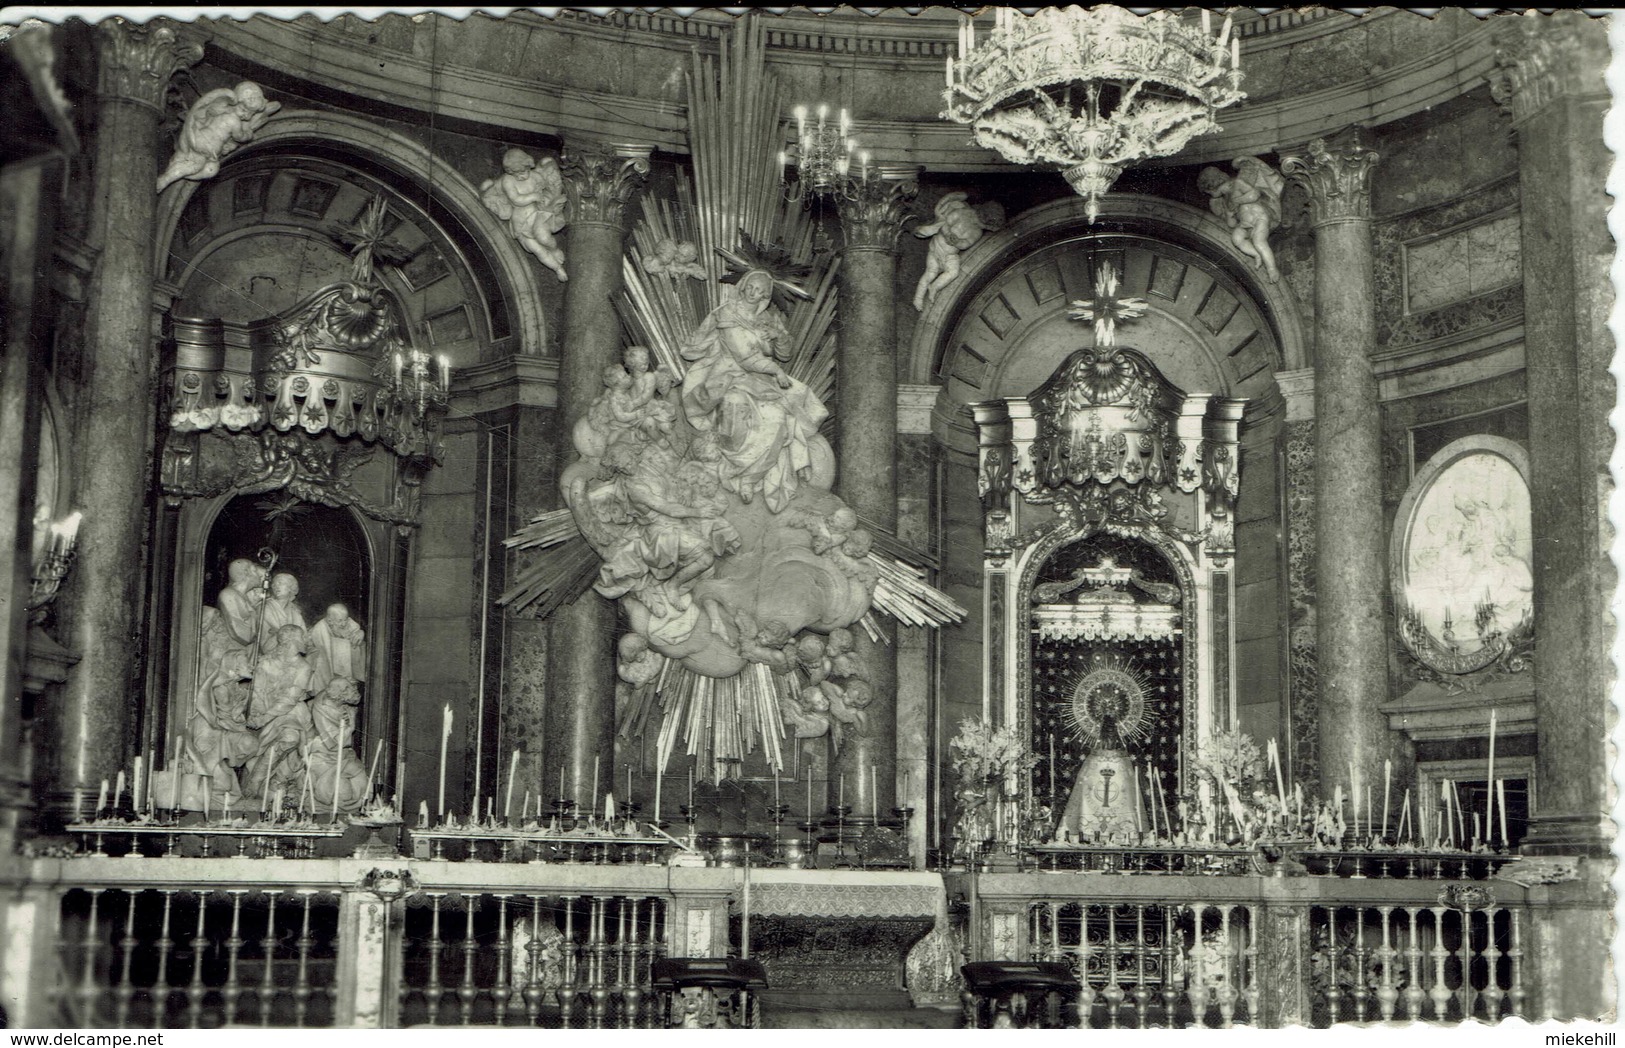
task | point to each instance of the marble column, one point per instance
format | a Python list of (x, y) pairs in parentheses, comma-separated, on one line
[(865, 456), (101, 607), (1301, 719), (1351, 553), (579, 722), (1549, 77)]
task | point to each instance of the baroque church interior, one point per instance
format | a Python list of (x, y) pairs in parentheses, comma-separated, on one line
[(1044, 518)]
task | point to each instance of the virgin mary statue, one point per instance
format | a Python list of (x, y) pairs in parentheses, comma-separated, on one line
[(766, 422)]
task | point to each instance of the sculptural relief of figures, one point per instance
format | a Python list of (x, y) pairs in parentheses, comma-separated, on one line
[(217, 123), (1250, 204), (529, 196), (958, 226), (766, 422), (336, 648), (280, 609), (218, 738), (674, 259), (281, 684)]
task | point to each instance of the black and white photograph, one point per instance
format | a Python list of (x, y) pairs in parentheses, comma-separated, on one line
[(917, 519)]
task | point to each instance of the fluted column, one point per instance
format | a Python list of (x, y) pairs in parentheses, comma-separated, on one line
[(865, 456), (1549, 77), (579, 722), (101, 607), (1350, 562)]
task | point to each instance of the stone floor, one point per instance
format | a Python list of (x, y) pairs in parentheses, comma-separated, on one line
[(782, 1018)]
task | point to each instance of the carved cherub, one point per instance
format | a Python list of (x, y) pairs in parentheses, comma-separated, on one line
[(529, 196), (676, 259), (958, 226), (636, 662), (217, 123), (1250, 204)]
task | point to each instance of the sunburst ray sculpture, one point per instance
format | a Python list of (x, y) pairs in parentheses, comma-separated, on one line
[(742, 576)]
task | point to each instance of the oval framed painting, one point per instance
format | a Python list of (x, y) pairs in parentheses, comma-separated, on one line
[(1461, 556)]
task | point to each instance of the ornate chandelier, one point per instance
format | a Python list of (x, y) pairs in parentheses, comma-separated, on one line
[(1090, 90), (824, 156)]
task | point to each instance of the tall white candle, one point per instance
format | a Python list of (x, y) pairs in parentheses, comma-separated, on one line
[(874, 792), (658, 777), (691, 791), (101, 799), (595, 760), (118, 789), (445, 740), (1501, 810), (775, 787), (1387, 782), (135, 785), (513, 776), (1489, 782)]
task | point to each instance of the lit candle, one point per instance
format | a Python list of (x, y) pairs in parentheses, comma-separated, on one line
[(445, 372), (513, 775), (846, 122), (823, 113), (445, 740), (801, 121), (1501, 810), (101, 798)]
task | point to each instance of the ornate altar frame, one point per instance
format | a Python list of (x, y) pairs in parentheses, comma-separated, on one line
[(1029, 519)]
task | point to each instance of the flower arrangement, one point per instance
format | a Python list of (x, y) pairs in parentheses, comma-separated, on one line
[(984, 754), (1233, 758)]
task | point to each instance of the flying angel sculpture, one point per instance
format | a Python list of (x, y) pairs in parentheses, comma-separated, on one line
[(217, 124), (1250, 204)]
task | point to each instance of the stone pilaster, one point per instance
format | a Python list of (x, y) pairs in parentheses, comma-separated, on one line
[(579, 719), (1549, 77), (102, 606), (1297, 450), (1351, 637), (865, 463)]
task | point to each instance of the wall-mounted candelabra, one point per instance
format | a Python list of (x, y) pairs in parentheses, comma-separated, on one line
[(54, 565), (825, 158)]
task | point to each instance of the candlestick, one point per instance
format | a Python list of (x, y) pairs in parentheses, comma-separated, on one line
[(513, 776), (445, 740)]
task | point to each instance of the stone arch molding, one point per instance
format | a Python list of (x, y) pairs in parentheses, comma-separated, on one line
[(1212, 327), (414, 164)]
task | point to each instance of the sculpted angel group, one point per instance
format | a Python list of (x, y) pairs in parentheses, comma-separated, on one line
[(277, 701), (708, 499)]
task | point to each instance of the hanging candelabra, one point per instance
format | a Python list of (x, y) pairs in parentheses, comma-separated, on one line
[(54, 564), (825, 158)]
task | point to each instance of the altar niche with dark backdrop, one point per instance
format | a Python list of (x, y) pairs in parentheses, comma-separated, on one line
[(1138, 681)]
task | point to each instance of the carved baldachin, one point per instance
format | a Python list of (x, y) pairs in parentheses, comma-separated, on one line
[(601, 184), (137, 61), (873, 216), (1338, 183)]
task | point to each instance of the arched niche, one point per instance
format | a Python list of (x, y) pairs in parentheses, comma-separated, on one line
[(1213, 324), (338, 553), (306, 152)]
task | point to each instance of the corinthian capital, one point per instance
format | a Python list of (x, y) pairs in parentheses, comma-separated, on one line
[(137, 61), (1339, 183), (873, 211), (600, 182), (1541, 58)]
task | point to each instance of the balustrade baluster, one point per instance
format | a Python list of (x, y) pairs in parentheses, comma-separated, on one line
[(160, 985), (1171, 941), (267, 990), (1414, 974), (531, 994), (1086, 989), (632, 995), (1250, 959), (1196, 968), (1334, 958), (1491, 993), (433, 990), (599, 988), (620, 955), (1113, 993), (1054, 930), (1465, 994), (567, 985), (502, 996), (1387, 993), (466, 990), (87, 991), (231, 992), (301, 983), (1227, 985), (1034, 933), (123, 990), (1142, 992), (1440, 992), (195, 990), (1515, 992), (1358, 989)]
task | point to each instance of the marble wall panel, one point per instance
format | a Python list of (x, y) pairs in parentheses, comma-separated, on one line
[(1463, 263)]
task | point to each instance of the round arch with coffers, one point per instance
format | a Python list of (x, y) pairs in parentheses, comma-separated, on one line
[(1220, 329), (478, 240)]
